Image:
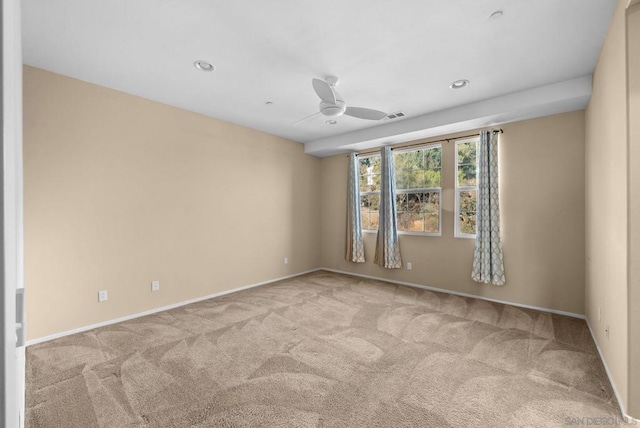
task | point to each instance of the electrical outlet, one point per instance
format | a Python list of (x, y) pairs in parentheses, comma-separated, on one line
[(286, 260), (409, 266), (155, 285), (606, 331), (102, 296)]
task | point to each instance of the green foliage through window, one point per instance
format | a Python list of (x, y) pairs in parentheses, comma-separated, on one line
[(369, 177), (466, 186), (418, 182), (418, 176)]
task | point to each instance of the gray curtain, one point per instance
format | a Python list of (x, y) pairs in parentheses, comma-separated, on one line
[(355, 247), (387, 245), (488, 266)]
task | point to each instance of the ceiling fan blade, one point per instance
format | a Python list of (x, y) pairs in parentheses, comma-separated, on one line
[(324, 91), (365, 113), (305, 118)]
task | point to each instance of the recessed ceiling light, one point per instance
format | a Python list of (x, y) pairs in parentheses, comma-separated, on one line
[(459, 84), (496, 15), (203, 65), (331, 122), (269, 103)]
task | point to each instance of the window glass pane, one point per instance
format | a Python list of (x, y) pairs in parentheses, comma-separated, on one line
[(373, 220), (369, 206), (431, 202), (467, 153), (411, 160), (467, 223), (432, 178), (362, 182), (414, 202), (416, 178), (466, 175), (418, 169), (402, 179), (364, 203), (467, 163), (375, 164), (432, 223), (362, 177), (374, 182), (468, 201), (416, 223), (369, 181), (401, 202), (400, 161), (364, 217), (374, 202), (363, 164), (369, 170), (420, 212), (467, 210), (404, 220), (402, 166), (433, 158)]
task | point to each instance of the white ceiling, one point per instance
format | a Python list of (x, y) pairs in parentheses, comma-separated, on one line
[(389, 55)]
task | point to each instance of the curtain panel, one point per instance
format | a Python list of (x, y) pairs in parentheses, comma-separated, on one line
[(355, 246), (387, 245), (488, 265)]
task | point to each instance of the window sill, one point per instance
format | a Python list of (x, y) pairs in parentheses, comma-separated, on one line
[(465, 236), (402, 232)]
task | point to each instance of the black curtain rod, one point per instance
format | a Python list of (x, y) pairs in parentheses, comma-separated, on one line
[(444, 140)]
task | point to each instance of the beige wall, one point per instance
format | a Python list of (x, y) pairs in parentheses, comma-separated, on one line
[(633, 68), (606, 203), (120, 191), (542, 191)]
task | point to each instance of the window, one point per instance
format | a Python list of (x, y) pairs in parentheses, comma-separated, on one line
[(418, 188), (369, 191), (466, 188)]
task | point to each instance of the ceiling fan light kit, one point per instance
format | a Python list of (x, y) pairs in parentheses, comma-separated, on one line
[(332, 110)]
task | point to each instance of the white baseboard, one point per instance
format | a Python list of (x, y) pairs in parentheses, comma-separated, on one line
[(234, 290), (160, 309), (628, 419), (473, 296)]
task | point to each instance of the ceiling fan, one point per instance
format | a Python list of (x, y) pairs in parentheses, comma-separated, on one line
[(332, 104)]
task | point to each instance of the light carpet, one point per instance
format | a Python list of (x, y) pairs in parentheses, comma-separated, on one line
[(324, 350)]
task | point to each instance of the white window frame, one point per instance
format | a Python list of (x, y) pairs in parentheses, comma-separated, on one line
[(373, 155), (460, 189), (437, 190)]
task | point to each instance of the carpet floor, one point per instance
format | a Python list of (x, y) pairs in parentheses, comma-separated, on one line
[(324, 350)]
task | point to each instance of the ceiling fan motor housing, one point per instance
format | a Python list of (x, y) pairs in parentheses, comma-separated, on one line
[(332, 110)]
